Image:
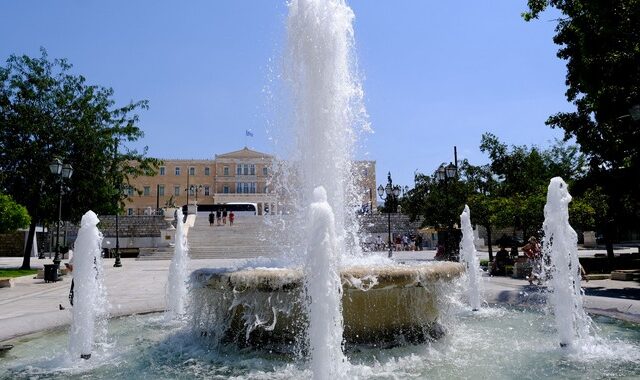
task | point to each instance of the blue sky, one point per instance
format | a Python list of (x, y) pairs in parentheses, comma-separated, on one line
[(436, 74)]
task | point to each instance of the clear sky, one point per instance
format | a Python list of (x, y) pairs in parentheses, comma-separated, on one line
[(436, 73)]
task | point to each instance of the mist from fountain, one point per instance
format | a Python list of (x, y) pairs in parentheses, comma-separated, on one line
[(560, 246), (90, 300), (469, 256), (177, 281)]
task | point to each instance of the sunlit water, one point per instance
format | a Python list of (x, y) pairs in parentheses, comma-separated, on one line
[(177, 277), (491, 343)]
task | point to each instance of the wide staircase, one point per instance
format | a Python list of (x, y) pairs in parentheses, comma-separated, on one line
[(247, 238)]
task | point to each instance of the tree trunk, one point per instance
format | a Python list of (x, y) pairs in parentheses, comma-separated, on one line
[(26, 258), (608, 241), (489, 246)]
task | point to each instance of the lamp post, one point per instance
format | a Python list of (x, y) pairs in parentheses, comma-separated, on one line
[(118, 263), (62, 172), (444, 174), (389, 193)]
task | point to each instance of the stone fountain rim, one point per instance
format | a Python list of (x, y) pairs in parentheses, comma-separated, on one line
[(357, 277)]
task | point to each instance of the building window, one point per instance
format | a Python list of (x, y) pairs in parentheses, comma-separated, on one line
[(147, 191), (252, 169), (177, 170), (239, 187), (245, 188), (129, 211), (252, 187), (129, 191), (160, 190), (192, 171), (206, 190), (265, 171), (226, 170), (225, 189), (163, 170), (207, 171), (176, 190), (245, 169)]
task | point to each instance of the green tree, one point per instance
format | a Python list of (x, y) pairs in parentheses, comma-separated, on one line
[(12, 215), (46, 113), (600, 42)]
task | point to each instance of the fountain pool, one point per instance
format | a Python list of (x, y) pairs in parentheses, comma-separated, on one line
[(494, 343)]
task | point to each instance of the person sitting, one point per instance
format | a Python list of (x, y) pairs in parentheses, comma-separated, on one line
[(500, 262)]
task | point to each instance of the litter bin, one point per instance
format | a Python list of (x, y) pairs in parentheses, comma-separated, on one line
[(51, 273)]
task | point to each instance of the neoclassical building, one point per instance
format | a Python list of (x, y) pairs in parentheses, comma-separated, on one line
[(241, 177)]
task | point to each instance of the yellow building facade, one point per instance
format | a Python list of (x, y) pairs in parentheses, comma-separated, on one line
[(243, 176)]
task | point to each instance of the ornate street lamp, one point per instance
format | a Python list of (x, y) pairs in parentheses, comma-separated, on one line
[(195, 189), (62, 172), (390, 193), (118, 262)]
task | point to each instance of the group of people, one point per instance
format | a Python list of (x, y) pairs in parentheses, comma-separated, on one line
[(532, 255), (220, 217), (533, 260), (403, 242)]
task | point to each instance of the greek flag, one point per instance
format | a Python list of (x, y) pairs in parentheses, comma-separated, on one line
[(248, 133)]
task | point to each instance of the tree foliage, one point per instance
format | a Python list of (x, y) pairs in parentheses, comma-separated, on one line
[(46, 113), (12, 215), (510, 191), (600, 42)]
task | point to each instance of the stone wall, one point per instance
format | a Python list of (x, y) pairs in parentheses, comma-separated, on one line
[(12, 244)]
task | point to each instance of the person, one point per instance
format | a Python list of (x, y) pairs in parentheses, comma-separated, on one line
[(218, 216), (419, 242), (232, 216), (69, 266), (224, 216), (533, 253), (212, 218), (379, 243), (498, 267), (405, 242)]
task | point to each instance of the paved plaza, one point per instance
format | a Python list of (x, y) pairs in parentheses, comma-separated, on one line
[(32, 305)]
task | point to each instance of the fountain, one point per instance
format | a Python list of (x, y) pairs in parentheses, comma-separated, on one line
[(276, 306), (560, 245), (177, 279), (355, 316), (90, 302), (469, 257)]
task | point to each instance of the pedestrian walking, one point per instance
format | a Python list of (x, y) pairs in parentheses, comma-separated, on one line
[(218, 216), (212, 218), (232, 216), (224, 216)]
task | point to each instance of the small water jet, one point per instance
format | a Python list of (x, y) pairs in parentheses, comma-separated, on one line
[(469, 257), (90, 301), (560, 246), (177, 277)]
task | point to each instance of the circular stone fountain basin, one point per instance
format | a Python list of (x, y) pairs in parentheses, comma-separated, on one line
[(381, 305)]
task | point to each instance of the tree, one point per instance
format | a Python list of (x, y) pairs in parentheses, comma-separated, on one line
[(48, 113), (12, 215), (600, 41), (510, 191)]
